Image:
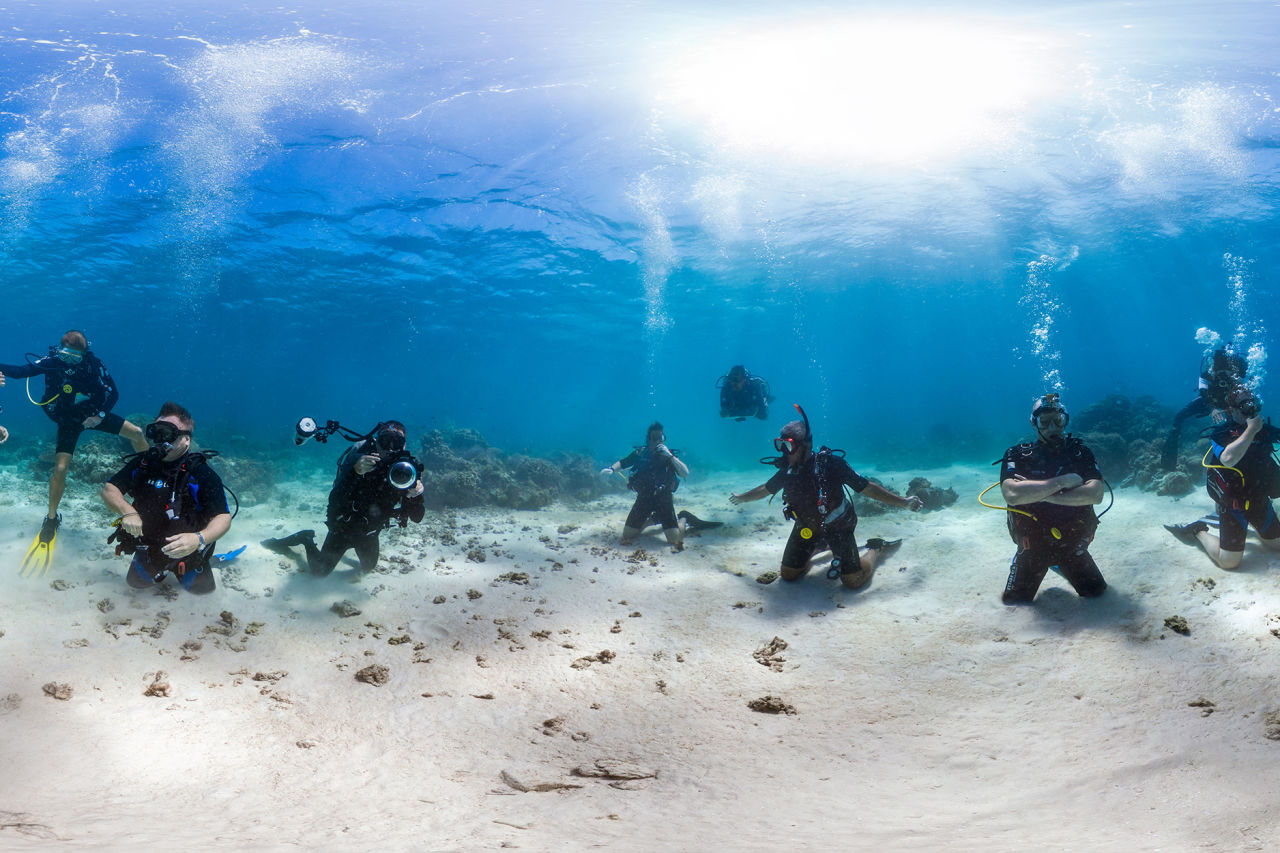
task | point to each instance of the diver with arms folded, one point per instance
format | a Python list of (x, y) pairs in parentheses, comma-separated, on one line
[(1051, 486)]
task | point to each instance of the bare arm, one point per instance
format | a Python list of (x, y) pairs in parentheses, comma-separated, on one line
[(119, 504), (682, 470), (877, 492), (1064, 490), (1235, 451), (755, 494), (181, 544)]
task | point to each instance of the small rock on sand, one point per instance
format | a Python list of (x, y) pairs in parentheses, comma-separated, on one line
[(345, 609), (771, 705), (374, 674), (58, 690)]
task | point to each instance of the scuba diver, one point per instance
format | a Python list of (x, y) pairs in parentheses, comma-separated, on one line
[(78, 395), (655, 476), (813, 496), (179, 507), (742, 395), (378, 482), (1051, 486), (1220, 374), (1242, 477)]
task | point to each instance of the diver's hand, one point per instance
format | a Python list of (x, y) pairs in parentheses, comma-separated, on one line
[(1, 380), (180, 545), (132, 524), (605, 472), (417, 489), (1070, 481), (735, 499), (914, 503), (662, 449), (92, 421), (365, 464)]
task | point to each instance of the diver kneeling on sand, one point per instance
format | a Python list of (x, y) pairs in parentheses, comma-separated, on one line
[(1051, 485), (179, 506), (655, 473), (378, 482), (813, 496), (1242, 478)]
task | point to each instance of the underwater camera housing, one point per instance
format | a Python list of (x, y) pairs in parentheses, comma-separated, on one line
[(402, 472)]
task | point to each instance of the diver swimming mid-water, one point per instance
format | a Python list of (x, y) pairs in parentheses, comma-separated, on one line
[(79, 394)]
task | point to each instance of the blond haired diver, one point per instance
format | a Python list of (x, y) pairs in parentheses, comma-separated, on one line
[(78, 395)]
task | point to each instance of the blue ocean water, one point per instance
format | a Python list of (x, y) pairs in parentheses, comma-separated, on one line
[(555, 223)]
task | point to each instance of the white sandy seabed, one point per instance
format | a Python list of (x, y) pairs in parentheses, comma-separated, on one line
[(566, 693)]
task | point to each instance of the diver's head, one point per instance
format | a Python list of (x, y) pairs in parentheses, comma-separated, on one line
[(170, 432), (654, 435), (1242, 404), (72, 347), (1226, 371), (737, 376), (1049, 417), (794, 442), (390, 437)]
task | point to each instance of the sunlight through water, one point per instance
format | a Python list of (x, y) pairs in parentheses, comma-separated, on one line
[(877, 90)]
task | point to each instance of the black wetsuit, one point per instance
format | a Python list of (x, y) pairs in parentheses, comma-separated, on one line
[(751, 400), (654, 480), (181, 496), (72, 393), (1058, 536), (360, 507), (1246, 501), (813, 495)]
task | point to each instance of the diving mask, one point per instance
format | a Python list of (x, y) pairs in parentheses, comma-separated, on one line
[(389, 441), (69, 355), (163, 432)]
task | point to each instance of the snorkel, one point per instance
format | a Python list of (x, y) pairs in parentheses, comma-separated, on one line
[(781, 461)]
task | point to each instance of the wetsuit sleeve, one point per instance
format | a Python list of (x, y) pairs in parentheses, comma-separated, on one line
[(415, 508), (631, 460), (1200, 407), (106, 394), (852, 478), (123, 479), (776, 482), (22, 371), (211, 495), (1009, 468), (1088, 466)]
